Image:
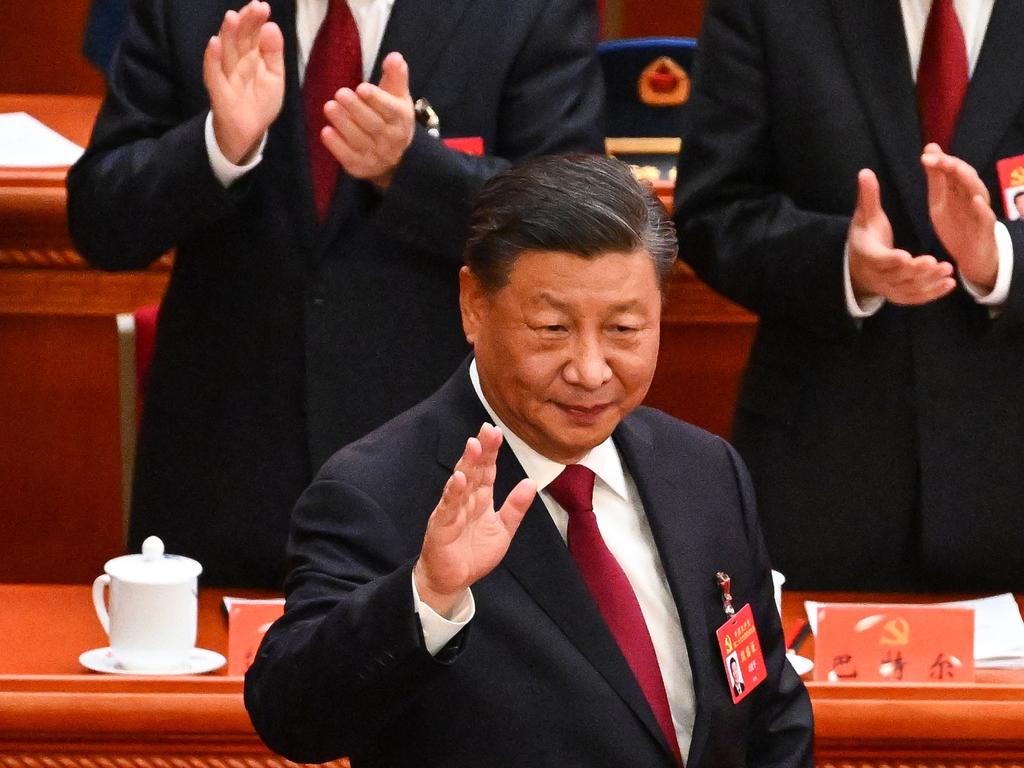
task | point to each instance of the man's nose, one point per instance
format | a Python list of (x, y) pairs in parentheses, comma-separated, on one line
[(588, 366)]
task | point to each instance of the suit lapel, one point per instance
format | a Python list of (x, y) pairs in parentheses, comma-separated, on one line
[(875, 46), (539, 560), (677, 526), (288, 164), (420, 31), (994, 94)]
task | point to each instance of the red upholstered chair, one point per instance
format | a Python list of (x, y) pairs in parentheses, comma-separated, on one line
[(136, 334)]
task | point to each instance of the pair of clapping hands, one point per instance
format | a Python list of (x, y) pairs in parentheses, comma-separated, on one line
[(367, 131), (961, 214)]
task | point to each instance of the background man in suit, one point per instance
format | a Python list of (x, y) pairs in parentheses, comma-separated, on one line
[(472, 635), (302, 311), (880, 409)]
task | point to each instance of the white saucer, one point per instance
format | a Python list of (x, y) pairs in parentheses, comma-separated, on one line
[(801, 664), (199, 661)]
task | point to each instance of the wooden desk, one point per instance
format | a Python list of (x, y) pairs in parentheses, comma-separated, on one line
[(54, 714), (867, 725), (60, 453)]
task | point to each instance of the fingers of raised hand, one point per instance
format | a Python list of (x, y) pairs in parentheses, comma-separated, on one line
[(395, 75), (518, 502), (452, 503), (251, 18), (373, 130), (920, 280), (271, 47), (869, 196)]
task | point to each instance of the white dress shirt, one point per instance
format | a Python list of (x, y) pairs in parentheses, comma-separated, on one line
[(627, 533), (974, 16), (371, 17)]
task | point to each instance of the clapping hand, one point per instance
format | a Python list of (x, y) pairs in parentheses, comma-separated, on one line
[(466, 538), (877, 268), (959, 206), (370, 128), (243, 69)]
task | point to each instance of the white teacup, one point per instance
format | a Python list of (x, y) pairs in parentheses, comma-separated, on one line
[(153, 610)]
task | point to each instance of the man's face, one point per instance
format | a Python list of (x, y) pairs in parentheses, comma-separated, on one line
[(568, 347), (1019, 202)]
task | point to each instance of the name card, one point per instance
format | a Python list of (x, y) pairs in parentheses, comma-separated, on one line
[(892, 643), (1011, 182), (248, 621), (469, 145)]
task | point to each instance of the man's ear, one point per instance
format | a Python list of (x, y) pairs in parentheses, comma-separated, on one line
[(471, 301)]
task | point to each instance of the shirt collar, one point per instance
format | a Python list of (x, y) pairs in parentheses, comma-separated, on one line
[(603, 459)]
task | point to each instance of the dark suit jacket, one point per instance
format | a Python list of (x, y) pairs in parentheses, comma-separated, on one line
[(279, 342), (536, 678), (886, 455)]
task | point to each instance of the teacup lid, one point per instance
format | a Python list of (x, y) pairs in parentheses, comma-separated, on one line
[(153, 566)]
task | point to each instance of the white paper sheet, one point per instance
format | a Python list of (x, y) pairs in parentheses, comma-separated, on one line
[(998, 630), (27, 143)]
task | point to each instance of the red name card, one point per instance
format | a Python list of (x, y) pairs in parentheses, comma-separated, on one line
[(1011, 181), (248, 621), (470, 145), (890, 643)]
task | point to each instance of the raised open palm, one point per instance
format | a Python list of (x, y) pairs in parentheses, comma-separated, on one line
[(243, 69), (466, 538)]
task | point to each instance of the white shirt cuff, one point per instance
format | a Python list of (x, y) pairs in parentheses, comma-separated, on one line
[(228, 173), (867, 306), (437, 630), (1004, 271)]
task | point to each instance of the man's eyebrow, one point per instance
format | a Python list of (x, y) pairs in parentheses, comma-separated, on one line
[(623, 306)]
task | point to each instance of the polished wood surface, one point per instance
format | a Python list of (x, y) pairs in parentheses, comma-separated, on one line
[(60, 509), (42, 48), (52, 709), (869, 724), (50, 706)]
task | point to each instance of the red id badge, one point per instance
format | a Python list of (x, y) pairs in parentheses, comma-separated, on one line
[(741, 654)]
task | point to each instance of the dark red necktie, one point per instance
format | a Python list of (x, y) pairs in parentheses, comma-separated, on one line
[(942, 74), (574, 490), (335, 61)]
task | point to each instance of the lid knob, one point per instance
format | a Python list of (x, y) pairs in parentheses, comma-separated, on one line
[(152, 549)]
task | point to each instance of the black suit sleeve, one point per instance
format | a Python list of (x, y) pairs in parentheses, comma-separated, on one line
[(552, 101), (145, 183), (348, 656), (737, 228), (782, 730)]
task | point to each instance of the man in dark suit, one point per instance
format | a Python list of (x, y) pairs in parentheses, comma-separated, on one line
[(880, 409), (301, 315), (473, 635)]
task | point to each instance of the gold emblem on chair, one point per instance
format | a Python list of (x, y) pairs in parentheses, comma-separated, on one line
[(663, 83)]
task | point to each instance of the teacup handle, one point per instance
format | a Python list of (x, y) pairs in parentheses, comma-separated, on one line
[(99, 603)]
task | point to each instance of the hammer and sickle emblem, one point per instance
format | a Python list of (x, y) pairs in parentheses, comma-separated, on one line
[(895, 632)]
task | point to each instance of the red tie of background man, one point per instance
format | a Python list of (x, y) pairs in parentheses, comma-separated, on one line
[(336, 61), (942, 74), (574, 490)]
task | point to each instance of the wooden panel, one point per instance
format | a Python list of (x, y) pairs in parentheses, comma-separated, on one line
[(60, 514), (705, 341), (60, 453), (653, 18), (42, 48), (55, 715)]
